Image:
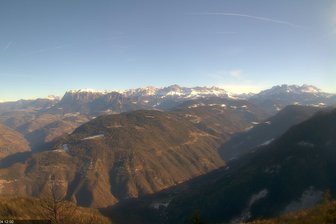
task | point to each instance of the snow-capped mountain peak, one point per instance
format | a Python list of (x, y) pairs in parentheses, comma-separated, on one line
[(146, 91), (148, 95), (290, 89), (176, 91), (86, 90), (274, 99)]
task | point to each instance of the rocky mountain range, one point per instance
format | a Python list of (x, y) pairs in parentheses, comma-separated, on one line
[(168, 152), (270, 100), (94, 102)]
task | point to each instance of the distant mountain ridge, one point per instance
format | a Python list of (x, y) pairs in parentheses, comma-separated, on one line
[(26, 116), (106, 147), (94, 102), (172, 90), (277, 97), (185, 92), (198, 91), (36, 104)]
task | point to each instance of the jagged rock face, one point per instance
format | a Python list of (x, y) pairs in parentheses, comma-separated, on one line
[(11, 142), (91, 102), (96, 103), (76, 102), (272, 100)]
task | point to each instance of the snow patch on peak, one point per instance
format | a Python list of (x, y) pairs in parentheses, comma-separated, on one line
[(53, 97), (177, 91), (146, 91), (310, 89), (94, 91), (86, 90), (296, 89), (173, 91)]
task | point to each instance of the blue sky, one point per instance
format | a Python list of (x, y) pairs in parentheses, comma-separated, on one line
[(48, 47)]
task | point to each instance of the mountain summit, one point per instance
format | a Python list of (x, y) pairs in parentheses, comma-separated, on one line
[(276, 98), (291, 89), (173, 90)]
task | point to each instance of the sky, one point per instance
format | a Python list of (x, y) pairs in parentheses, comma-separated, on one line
[(48, 47)]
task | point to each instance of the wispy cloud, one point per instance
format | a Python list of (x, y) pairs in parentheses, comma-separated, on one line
[(7, 46), (260, 18), (237, 74)]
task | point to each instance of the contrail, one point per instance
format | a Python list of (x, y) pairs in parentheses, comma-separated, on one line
[(266, 19), (43, 50)]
